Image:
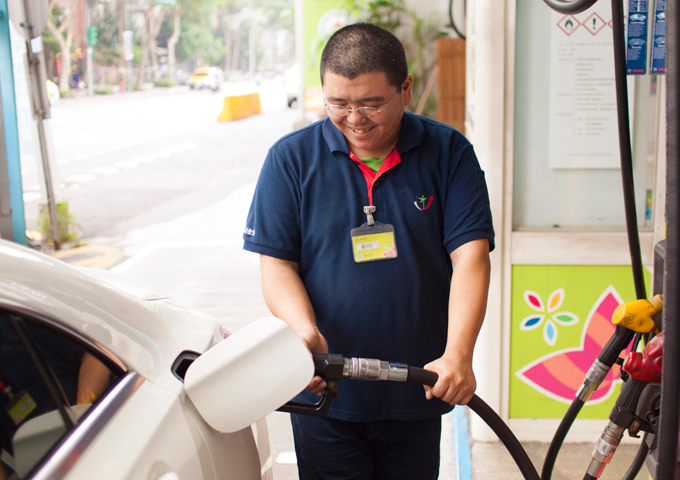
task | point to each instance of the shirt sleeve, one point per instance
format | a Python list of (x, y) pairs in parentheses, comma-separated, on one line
[(273, 223), (467, 214)]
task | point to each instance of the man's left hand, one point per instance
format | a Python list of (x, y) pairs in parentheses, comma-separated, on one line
[(456, 383)]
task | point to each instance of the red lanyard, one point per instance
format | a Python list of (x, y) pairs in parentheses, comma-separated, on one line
[(392, 160)]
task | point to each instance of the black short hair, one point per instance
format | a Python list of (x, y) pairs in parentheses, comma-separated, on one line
[(365, 48)]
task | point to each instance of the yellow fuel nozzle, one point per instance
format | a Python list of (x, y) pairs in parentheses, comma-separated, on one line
[(637, 315)]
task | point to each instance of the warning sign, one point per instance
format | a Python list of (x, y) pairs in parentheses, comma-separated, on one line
[(568, 24), (583, 129), (594, 24)]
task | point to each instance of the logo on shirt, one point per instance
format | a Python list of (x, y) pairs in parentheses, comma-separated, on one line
[(249, 231), (423, 202)]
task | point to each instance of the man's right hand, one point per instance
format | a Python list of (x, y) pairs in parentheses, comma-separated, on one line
[(316, 343), (288, 300)]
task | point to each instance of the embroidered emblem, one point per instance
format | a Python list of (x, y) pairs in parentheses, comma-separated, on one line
[(424, 202)]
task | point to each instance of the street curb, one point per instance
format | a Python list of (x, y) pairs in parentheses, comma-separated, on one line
[(92, 256)]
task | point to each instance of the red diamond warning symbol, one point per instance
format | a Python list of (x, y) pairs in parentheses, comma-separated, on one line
[(568, 24), (594, 24)]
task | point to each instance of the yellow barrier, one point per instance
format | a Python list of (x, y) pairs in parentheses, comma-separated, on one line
[(240, 106)]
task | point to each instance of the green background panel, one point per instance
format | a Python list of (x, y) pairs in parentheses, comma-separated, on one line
[(583, 285), (314, 10)]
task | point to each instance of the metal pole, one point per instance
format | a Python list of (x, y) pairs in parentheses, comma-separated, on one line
[(90, 75), (11, 199), (40, 114)]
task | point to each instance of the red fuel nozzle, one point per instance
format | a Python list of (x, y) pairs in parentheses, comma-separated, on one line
[(646, 366)]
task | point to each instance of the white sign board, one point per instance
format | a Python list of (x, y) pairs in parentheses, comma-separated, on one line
[(583, 125), (35, 10)]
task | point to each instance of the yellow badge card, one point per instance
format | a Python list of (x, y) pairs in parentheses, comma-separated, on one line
[(371, 243)]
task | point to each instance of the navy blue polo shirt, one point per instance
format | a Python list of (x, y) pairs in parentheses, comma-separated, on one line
[(310, 194)]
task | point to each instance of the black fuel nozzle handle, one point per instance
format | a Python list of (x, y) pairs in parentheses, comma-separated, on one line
[(328, 365), (422, 376)]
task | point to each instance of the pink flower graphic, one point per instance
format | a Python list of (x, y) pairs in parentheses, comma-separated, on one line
[(559, 375)]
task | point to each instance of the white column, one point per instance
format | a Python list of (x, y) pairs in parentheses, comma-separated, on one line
[(486, 119)]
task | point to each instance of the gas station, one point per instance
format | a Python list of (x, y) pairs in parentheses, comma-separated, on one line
[(572, 110)]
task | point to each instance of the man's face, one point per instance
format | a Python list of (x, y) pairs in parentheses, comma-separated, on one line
[(374, 136)]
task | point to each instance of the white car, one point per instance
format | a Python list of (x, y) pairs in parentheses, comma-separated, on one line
[(103, 377)]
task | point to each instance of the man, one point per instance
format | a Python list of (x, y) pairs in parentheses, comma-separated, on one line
[(372, 182)]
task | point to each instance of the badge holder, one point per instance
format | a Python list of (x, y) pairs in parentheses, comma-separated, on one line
[(373, 240)]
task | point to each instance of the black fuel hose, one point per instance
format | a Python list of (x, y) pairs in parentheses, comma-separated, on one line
[(453, 24), (638, 461), (491, 418), (558, 438)]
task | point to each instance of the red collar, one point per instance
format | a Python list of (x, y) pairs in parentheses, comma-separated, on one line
[(371, 177)]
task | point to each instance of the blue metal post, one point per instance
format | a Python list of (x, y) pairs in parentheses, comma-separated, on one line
[(9, 117)]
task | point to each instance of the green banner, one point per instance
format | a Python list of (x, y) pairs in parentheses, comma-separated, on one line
[(560, 320), (322, 18)]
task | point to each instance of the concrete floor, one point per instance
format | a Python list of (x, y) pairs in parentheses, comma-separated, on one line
[(490, 461)]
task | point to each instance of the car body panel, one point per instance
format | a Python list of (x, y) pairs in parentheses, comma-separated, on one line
[(146, 336), (152, 428)]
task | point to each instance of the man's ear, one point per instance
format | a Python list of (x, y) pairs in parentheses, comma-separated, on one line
[(407, 89)]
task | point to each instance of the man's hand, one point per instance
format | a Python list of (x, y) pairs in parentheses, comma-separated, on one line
[(456, 383), (467, 305), (316, 343), (288, 300)]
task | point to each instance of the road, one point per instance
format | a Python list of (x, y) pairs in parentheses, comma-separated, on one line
[(125, 161)]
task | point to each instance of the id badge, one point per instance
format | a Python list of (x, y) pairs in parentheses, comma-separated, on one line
[(373, 242), (20, 407)]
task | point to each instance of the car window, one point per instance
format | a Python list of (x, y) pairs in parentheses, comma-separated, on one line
[(48, 381)]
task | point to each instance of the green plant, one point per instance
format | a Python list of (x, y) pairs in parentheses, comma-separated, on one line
[(65, 221), (66, 93), (103, 91), (163, 83)]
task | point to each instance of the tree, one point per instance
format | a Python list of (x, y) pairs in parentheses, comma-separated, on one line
[(59, 25), (153, 19), (173, 39)]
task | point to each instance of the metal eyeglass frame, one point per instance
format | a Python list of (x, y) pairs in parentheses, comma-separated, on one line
[(360, 110)]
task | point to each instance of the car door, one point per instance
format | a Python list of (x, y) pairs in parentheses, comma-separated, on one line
[(69, 410)]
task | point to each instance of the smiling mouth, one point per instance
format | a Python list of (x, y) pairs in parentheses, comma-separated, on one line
[(360, 131)]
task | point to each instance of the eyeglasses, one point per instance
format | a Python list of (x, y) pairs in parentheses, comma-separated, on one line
[(343, 111)]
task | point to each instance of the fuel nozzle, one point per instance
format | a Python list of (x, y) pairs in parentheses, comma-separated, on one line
[(638, 315), (335, 367)]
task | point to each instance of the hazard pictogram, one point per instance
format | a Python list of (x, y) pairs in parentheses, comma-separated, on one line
[(594, 24), (568, 24)]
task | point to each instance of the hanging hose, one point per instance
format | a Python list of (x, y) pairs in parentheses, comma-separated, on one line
[(491, 418), (639, 460), (558, 438), (622, 336), (453, 24)]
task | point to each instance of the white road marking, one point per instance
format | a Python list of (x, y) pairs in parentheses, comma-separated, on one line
[(31, 197), (104, 171), (126, 164), (143, 158), (80, 178)]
